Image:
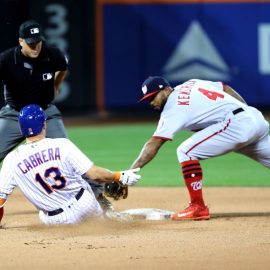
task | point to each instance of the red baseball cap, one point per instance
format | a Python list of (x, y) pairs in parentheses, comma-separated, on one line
[(153, 85)]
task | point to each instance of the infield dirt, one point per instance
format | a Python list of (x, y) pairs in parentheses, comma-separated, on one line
[(236, 237)]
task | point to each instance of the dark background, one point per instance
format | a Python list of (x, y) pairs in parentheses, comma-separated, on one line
[(70, 26), (114, 45)]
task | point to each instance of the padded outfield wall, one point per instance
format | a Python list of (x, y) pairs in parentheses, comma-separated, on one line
[(215, 40)]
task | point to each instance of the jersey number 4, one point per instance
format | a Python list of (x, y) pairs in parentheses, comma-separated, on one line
[(211, 94), (60, 181)]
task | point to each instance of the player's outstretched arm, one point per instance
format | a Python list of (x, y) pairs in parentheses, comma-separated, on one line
[(128, 177), (233, 93), (148, 152)]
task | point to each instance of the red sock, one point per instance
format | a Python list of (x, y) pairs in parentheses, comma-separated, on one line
[(192, 172), (1, 213)]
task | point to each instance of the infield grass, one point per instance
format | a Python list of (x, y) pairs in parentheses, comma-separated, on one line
[(116, 146)]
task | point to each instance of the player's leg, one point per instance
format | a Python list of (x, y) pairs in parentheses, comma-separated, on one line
[(75, 210), (259, 148), (10, 133), (259, 151), (212, 141), (87, 206)]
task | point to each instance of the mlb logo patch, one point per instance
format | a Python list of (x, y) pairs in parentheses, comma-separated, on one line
[(34, 30), (47, 76), (144, 89)]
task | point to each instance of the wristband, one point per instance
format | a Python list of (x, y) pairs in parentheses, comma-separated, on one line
[(117, 176)]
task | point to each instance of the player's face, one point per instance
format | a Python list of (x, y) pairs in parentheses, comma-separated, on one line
[(30, 50), (158, 101)]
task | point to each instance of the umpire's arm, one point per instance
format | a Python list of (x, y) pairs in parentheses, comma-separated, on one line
[(58, 79), (148, 152)]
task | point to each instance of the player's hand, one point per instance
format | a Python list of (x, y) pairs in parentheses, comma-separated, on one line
[(129, 177)]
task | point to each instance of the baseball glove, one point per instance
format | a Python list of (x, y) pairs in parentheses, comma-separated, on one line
[(116, 190)]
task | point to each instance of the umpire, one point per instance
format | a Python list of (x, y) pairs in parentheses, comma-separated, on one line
[(31, 73)]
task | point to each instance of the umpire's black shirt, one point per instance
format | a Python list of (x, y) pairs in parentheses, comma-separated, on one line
[(27, 80)]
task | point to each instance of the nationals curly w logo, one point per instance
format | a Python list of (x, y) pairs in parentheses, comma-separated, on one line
[(196, 185)]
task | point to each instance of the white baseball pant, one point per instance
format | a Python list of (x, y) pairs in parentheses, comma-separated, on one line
[(75, 210), (246, 132)]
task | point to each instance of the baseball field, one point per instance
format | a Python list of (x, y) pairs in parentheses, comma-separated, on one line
[(236, 189)]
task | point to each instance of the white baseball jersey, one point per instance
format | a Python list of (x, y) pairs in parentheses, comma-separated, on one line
[(49, 173), (203, 106)]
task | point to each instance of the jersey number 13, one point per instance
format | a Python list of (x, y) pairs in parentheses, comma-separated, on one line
[(60, 181)]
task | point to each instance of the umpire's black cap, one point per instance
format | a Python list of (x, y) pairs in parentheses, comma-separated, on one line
[(152, 85), (30, 31)]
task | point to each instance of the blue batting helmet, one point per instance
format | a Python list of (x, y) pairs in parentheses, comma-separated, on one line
[(31, 120)]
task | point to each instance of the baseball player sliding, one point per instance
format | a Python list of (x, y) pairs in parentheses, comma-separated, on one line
[(222, 122), (49, 173)]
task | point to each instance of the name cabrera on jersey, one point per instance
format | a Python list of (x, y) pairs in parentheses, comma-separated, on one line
[(194, 105), (48, 172)]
